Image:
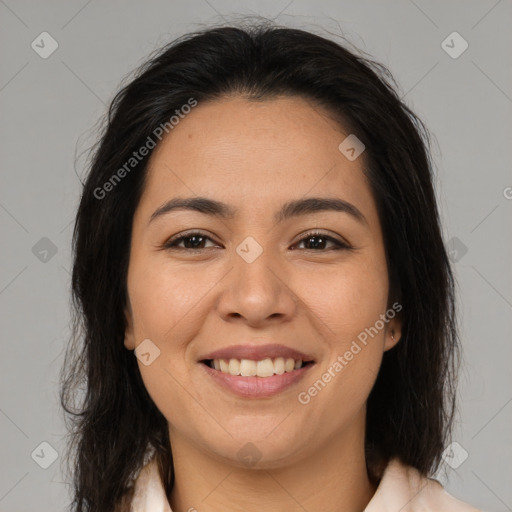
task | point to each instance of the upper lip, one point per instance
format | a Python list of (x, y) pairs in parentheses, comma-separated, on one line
[(256, 353)]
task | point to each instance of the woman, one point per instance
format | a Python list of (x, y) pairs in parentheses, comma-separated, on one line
[(264, 305)]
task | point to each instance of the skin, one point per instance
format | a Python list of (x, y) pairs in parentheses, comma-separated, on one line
[(256, 156)]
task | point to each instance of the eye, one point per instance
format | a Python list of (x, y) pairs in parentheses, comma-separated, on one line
[(195, 241), (317, 241)]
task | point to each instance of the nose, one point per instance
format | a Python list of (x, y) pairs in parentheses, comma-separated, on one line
[(257, 293)]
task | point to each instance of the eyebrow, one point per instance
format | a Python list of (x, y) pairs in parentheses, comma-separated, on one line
[(290, 209)]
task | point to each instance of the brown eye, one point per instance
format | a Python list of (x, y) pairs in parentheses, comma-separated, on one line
[(317, 241), (191, 241), (195, 241)]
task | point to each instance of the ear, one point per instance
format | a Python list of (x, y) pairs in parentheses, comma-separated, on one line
[(393, 332), (129, 337)]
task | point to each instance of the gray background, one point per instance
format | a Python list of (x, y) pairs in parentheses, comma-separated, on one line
[(48, 111)]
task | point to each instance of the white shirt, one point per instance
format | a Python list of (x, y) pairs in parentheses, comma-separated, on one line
[(402, 488)]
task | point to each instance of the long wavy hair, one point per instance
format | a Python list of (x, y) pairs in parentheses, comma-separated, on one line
[(110, 416)]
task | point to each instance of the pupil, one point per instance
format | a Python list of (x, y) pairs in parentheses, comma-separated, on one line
[(193, 244), (321, 240)]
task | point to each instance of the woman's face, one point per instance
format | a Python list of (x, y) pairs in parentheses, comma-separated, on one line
[(256, 284)]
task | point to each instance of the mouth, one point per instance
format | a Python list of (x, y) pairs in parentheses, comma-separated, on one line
[(256, 379), (263, 368)]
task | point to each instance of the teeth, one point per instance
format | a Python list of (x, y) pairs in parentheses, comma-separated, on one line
[(234, 367), (264, 368), (289, 365), (248, 368), (279, 365)]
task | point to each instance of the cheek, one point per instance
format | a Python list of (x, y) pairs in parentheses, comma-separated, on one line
[(347, 306), (167, 388), (166, 302), (163, 297), (349, 298)]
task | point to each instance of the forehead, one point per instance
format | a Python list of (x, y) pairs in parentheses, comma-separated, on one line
[(255, 154)]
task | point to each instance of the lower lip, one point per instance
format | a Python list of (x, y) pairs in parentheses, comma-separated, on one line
[(257, 387)]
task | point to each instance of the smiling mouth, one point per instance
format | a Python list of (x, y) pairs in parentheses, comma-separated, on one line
[(263, 368)]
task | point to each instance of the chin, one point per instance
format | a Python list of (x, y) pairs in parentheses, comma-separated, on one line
[(257, 451)]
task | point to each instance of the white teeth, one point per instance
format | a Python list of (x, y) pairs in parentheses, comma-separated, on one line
[(289, 365), (234, 367), (264, 368), (279, 365), (248, 368)]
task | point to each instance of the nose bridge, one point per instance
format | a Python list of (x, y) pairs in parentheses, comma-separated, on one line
[(257, 288), (253, 268), (253, 265)]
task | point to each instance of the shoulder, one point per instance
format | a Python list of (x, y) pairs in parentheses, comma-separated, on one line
[(404, 488)]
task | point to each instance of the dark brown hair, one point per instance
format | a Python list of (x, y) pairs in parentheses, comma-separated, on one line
[(411, 407)]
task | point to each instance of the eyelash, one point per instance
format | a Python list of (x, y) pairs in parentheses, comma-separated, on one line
[(171, 243)]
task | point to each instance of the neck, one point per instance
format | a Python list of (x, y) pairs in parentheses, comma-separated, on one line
[(330, 479)]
